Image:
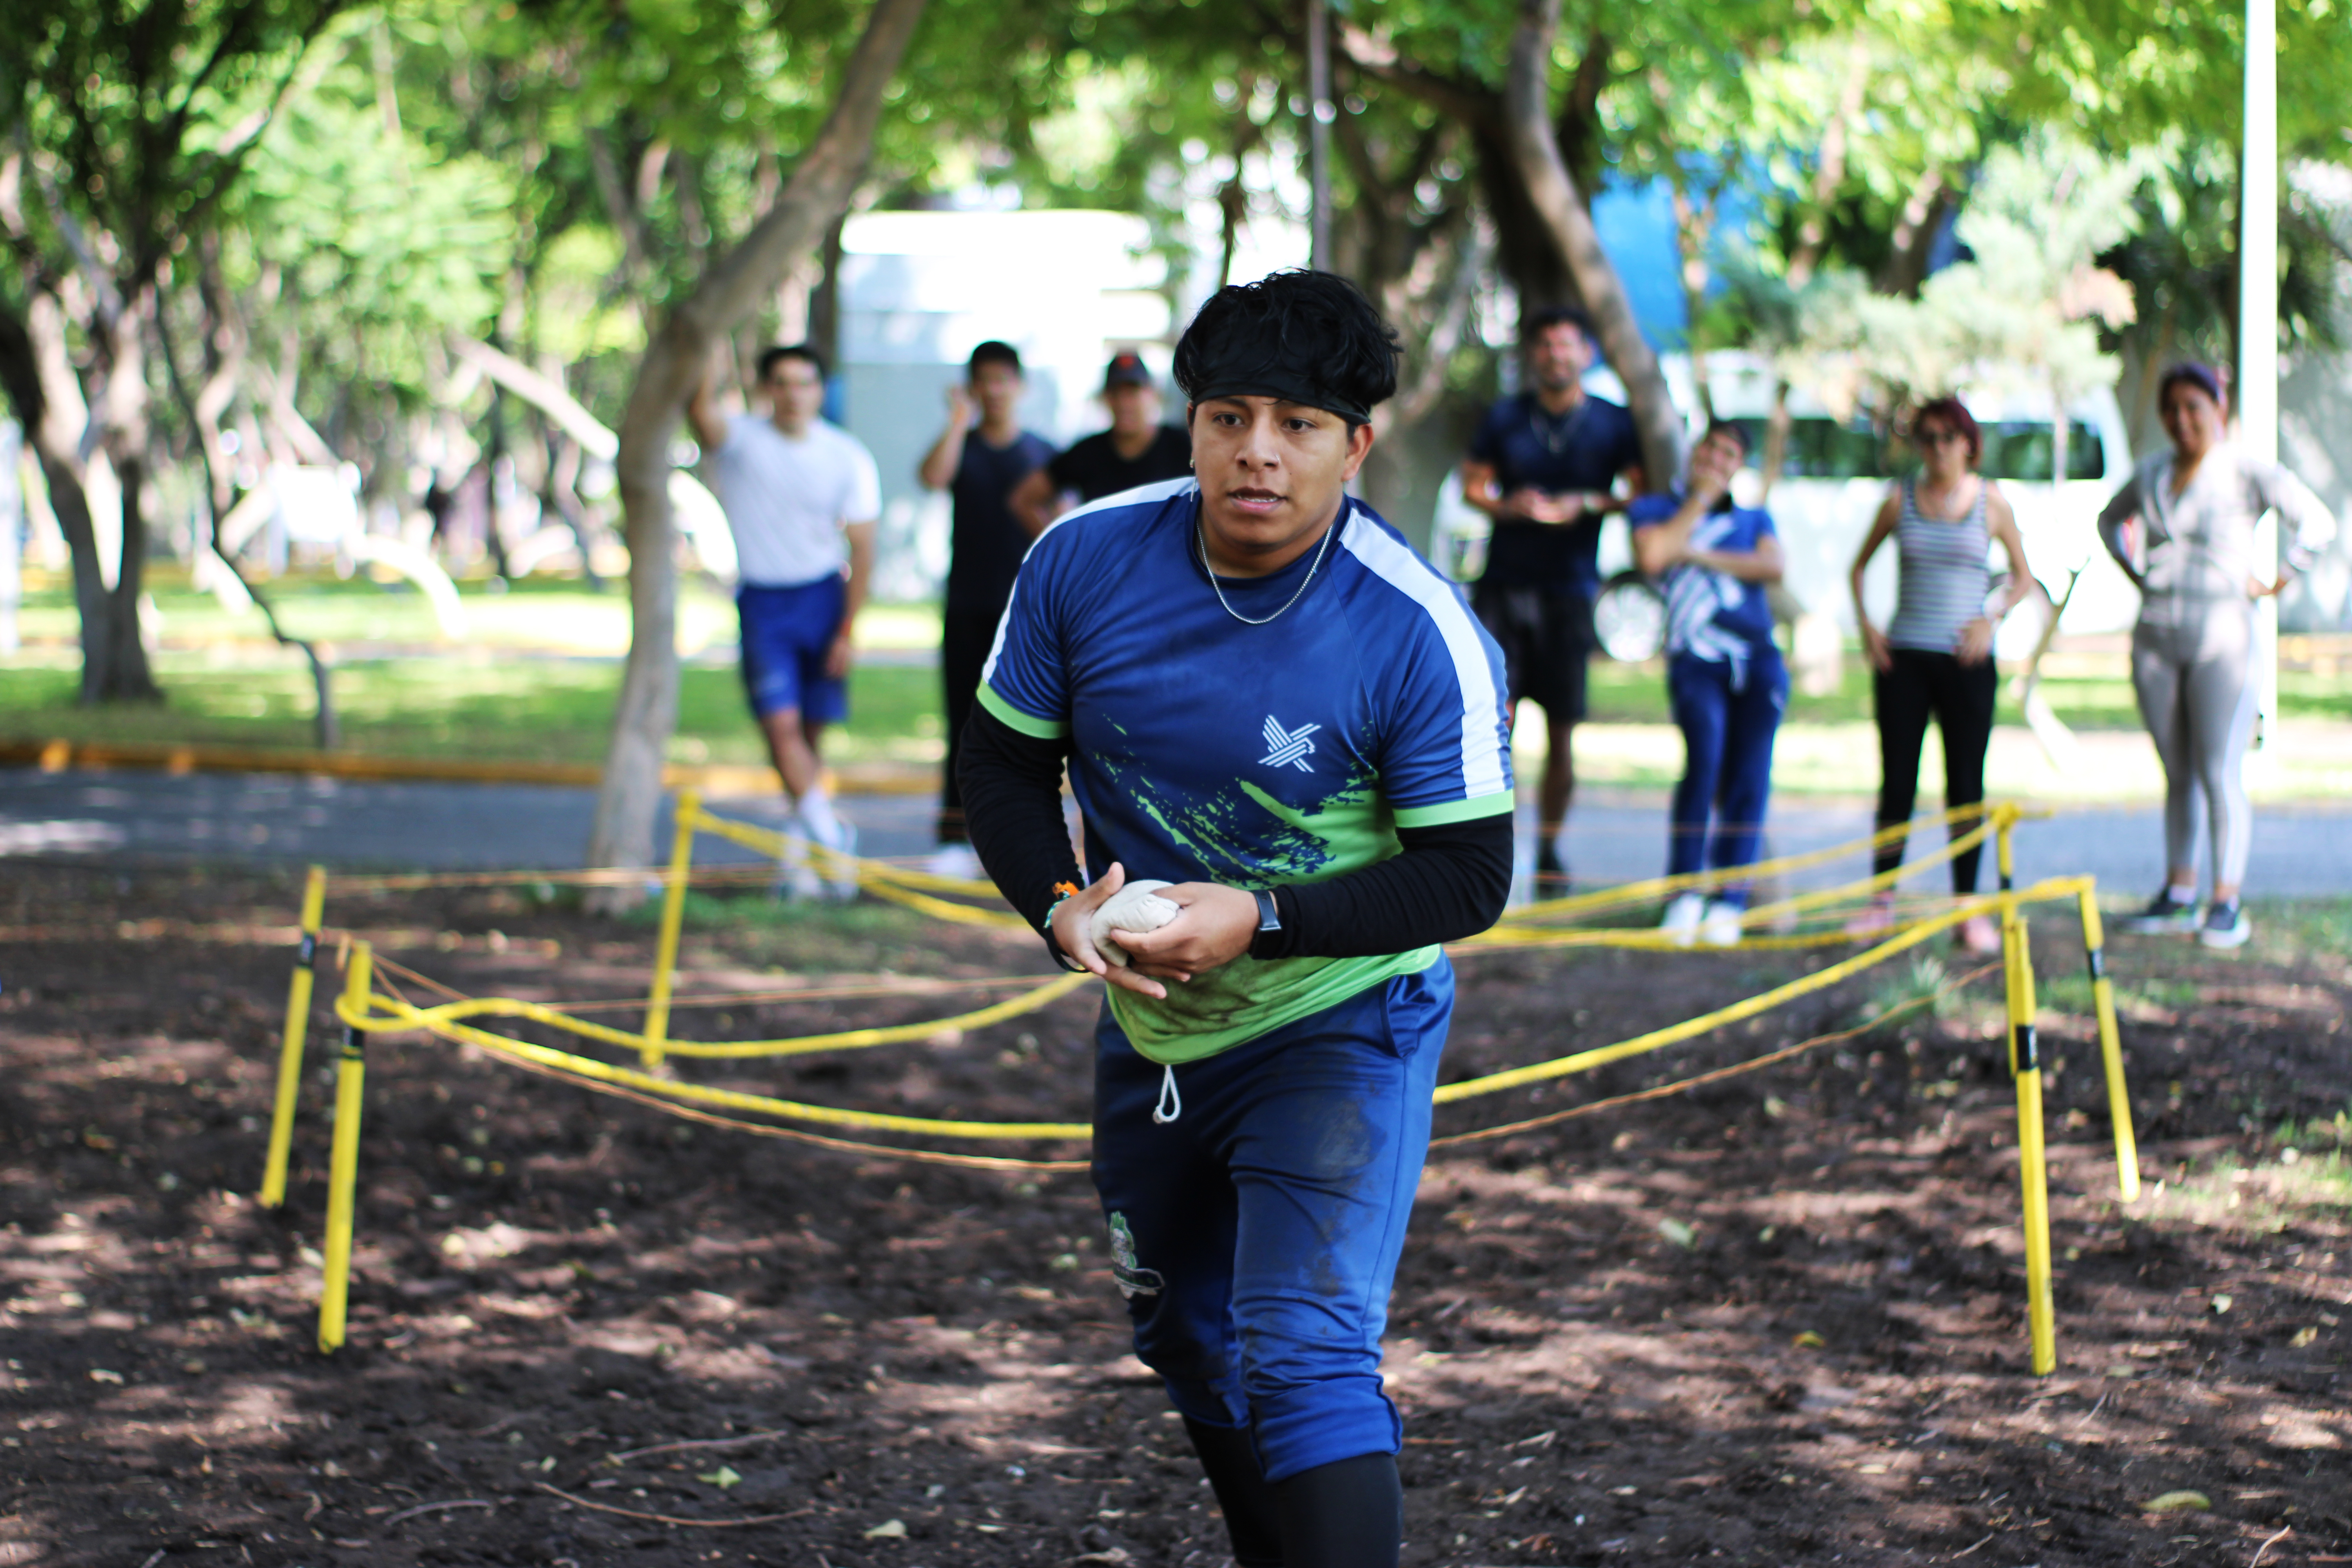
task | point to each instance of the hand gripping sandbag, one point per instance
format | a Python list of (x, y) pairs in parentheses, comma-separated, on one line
[(1135, 908)]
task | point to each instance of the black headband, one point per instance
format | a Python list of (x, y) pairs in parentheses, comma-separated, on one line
[(1287, 377)]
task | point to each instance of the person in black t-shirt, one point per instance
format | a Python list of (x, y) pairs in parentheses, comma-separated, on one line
[(977, 465), (1545, 465), (1136, 450)]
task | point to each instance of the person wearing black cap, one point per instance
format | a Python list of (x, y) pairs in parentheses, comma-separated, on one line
[(1287, 729), (1136, 450), (976, 462)]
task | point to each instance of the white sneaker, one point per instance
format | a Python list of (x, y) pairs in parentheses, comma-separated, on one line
[(1721, 927), (956, 862), (1683, 917), (795, 877), (839, 863)]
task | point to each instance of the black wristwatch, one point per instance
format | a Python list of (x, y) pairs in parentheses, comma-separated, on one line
[(1269, 922)]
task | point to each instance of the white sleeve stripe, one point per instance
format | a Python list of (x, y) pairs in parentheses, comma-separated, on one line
[(1483, 769), (997, 648), (1141, 495)]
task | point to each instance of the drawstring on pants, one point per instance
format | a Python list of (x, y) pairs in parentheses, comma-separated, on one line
[(1171, 1104)]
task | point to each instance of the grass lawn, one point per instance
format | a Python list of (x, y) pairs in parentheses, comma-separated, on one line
[(535, 678), (542, 615), (479, 708), (535, 675), (1636, 694)]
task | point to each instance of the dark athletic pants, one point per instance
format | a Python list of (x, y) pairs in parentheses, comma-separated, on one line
[(965, 637), (1257, 1233), (1727, 734), (1959, 698)]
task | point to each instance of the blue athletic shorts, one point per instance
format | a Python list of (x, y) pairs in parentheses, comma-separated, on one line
[(786, 634), (1256, 1236)]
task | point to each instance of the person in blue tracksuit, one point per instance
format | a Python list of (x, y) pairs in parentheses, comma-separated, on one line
[(1267, 700), (1724, 679)]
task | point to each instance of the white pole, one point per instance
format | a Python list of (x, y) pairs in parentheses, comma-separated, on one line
[(2258, 323)]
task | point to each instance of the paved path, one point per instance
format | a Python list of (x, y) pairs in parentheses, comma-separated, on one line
[(280, 818), (1615, 835)]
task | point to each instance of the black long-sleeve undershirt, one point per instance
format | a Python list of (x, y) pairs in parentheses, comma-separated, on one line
[(1446, 883)]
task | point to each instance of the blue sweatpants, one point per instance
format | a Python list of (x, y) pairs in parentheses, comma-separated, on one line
[(1256, 1234), (1727, 734)]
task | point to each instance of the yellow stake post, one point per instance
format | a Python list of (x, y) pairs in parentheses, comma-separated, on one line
[(2004, 855), (2111, 1048), (344, 1164), (681, 862), (290, 1053), (2033, 1172)]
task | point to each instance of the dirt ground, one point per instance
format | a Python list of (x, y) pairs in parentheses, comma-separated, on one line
[(1777, 1319)]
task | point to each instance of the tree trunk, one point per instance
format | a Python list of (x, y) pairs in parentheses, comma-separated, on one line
[(1693, 231), (128, 677), (203, 407), (1535, 153), (1318, 137), (47, 396), (735, 286), (1524, 251), (1914, 235)]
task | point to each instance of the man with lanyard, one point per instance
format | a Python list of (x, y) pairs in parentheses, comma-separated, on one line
[(1724, 680), (1545, 466), (977, 468), (1267, 699), (795, 487), (1136, 450)]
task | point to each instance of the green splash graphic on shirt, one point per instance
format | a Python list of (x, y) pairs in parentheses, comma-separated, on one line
[(1229, 834)]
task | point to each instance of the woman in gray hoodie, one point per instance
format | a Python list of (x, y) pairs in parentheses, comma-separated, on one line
[(2182, 528)]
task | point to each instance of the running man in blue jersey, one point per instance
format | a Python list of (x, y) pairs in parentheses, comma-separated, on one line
[(1267, 699)]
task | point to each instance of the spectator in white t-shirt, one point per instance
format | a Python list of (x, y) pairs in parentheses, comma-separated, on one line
[(802, 498)]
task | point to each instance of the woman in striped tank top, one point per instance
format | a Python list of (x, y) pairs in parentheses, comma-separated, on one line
[(1935, 658)]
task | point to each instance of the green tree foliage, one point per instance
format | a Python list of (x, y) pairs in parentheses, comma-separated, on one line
[(143, 115), (366, 243), (2180, 257), (2128, 73), (135, 121), (2031, 304)]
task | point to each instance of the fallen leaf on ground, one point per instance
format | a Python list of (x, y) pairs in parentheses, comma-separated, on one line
[(2180, 1503), (1678, 1233), (888, 1530), (722, 1476), (1809, 1341)]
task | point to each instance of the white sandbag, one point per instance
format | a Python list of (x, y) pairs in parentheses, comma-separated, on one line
[(1135, 908)]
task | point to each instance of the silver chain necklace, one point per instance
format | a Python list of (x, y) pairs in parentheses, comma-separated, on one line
[(1316, 566)]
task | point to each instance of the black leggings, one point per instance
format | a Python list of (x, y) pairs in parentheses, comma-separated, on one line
[(965, 637), (1960, 698)]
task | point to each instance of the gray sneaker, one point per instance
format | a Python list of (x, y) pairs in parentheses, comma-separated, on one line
[(2226, 925), (2163, 915)]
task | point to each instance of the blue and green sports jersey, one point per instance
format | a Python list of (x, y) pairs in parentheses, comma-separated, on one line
[(1204, 750)]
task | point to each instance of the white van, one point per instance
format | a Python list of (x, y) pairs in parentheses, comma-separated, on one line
[(1838, 471)]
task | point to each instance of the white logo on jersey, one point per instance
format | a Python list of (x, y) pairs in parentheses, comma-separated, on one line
[(1290, 746)]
